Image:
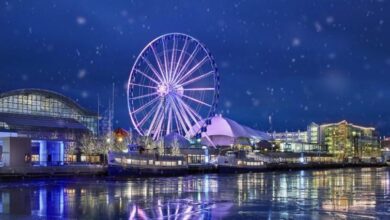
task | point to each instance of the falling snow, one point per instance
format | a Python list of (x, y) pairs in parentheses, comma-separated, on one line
[(270, 59)]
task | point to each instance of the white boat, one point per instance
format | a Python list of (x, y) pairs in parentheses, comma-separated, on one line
[(231, 163), (128, 164)]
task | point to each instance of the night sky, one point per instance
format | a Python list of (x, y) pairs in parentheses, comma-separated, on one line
[(296, 61)]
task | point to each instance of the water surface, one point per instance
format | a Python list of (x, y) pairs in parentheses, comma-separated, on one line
[(362, 193)]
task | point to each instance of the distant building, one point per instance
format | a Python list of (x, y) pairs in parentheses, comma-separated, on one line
[(346, 139), (298, 141), (313, 133), (40, 127), (342, 139), (385, 145), (290, 136)]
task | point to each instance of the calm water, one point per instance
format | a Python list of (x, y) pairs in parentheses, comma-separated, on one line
[(328, 194)]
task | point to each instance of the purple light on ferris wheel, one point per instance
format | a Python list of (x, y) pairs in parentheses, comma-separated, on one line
[(173, 85)]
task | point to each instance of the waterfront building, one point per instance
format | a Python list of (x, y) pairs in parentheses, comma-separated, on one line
[(342, 139), (294, 136), (298, 141), (385, 146), (385, 143), (313, 133), (347, 140), (41, 127)]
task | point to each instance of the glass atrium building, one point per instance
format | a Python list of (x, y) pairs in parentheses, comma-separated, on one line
[(39, 127)]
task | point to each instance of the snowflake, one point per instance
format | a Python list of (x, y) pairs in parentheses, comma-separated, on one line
[(24, 77), (81, 20), (329, 19), (82, 73), (318, 26), (295, 42), (255, 102), (228, 104), (84, 94)]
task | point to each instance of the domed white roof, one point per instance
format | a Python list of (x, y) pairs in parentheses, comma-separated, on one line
[(221, 126)]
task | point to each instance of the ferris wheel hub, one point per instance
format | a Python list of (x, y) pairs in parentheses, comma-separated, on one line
[(165, 89)]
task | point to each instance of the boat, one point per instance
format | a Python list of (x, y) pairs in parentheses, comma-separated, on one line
[(241, 162), (146, 164)]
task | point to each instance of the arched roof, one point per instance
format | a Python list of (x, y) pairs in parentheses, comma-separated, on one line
[(51, 94), (221, 126)]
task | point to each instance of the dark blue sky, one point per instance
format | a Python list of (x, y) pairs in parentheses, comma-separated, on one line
[(299, 61)]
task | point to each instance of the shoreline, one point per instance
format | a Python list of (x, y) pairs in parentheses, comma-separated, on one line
[(100, 171)]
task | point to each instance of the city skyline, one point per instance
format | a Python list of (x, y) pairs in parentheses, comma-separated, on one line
[(296, 62)]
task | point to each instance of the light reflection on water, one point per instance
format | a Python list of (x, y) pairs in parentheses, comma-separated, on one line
[(326, 194)]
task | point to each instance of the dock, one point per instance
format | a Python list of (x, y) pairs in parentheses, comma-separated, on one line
[(79, 170)]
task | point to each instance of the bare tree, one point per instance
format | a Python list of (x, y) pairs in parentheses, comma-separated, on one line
[(71, 149), (175, 147), (87, 144), (160, 147)]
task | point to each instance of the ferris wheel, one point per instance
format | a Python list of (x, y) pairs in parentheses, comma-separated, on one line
[(173, 86)]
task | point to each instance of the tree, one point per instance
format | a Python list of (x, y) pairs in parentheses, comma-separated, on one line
[(175, 147), (71, 149), (146, 142), (159, 145), (88, 144)]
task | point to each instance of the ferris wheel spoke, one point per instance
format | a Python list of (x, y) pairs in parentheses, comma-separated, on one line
[(156, 73), (144, 96), (141, 85), (159, 64), (196, 100), (180, 58), (197, 78), (199, 89), (193, 69), (190, 117), (189, 60), (190, 109), (169, 125), (165, 58), (146, 105), (185, 117), (192, 114), (144, 119), (150, 78), (176, 120), (157, 130), (178, 116), (154, 118), (173, 58)]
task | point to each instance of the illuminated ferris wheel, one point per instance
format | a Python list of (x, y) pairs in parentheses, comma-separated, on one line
[(173, 85)]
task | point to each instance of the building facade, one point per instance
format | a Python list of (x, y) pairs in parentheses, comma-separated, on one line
[(342, 139), (299, 141), (41, 127), (347, 140)]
